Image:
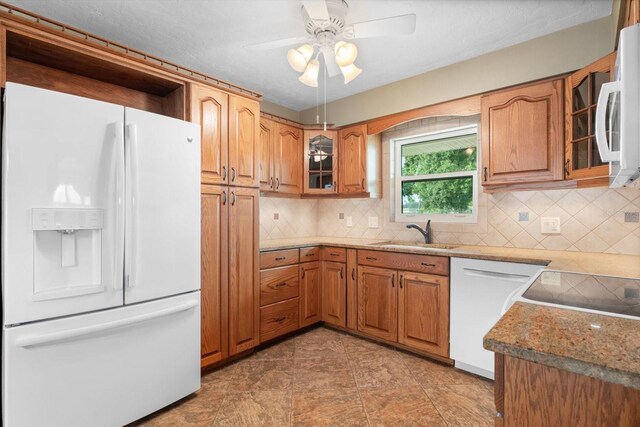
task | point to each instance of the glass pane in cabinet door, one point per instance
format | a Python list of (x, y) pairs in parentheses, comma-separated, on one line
[(314, 180), (327, 163), (314, 162), (327, 181), (580, 126), (580, 152), (595, 154), (581, 95), (598, 79)]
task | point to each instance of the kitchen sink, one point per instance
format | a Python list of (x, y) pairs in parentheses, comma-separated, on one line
[(401, 245)]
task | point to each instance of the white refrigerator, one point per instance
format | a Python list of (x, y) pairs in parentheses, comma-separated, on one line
[(100, 260)]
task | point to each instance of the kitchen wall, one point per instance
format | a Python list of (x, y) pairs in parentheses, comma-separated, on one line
[(592, 220), (556, 53)]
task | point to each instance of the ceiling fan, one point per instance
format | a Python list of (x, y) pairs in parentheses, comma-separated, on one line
[(330, 35)]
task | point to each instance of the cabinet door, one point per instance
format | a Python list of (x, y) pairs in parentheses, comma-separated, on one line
[(352, 289), (310, 293), (582, 158), (378, 302), (288, 160), (423, 314), (334, 293), (522, 134), (353, 159), (632, 15), (244, 136), (267, 142), (214, 241), (209, 108), (244, 289), (320, 159)]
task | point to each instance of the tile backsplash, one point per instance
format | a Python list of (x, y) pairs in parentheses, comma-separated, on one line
[(591, 220)]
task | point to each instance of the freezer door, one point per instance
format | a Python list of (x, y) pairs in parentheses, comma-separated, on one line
[(62, 204), (102, 369), (162, 252)]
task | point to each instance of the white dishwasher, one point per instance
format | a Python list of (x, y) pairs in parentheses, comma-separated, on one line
[(479, 289)]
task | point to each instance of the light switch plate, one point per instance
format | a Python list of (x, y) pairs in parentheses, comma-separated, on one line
[(276, 216), (523, 216), (373, 222), (550, 225), (349, 221)]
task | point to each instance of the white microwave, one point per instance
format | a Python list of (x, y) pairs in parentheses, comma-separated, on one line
[(619, 108)]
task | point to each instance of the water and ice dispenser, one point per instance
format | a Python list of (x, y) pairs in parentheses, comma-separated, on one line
[(67, 252)]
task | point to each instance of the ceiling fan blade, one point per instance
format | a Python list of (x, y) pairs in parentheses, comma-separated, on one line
[(330, 61), (402, 24), (274, 44), (316, 9)]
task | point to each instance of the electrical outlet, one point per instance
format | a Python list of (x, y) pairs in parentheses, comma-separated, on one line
[(632, 217), (551, 278), (276, 216), (373, 222), (523, 216), (341, 215), (550, 225), (349, 221), (631, 293)]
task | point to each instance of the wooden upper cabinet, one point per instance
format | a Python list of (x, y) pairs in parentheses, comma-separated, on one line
[(334, 293), (377, 302), (423, 312), (522, 134), (632, 15), (209, 108), (244, 285), (214, 241), (352, 162), (268, 129), (310, 293), (288, 160), (244, 137), (582, 88), (320, 158)]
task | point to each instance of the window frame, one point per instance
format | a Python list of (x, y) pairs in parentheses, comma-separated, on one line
[(398, 143)]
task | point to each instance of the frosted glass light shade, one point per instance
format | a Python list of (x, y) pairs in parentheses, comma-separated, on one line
[(310, 76), (346, 53), (350, 72), (298, 58)]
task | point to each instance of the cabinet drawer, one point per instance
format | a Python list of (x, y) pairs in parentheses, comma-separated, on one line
[(309, 254), (334, 254), (410, 262), (278, 284), (278, 319), (279, 258)]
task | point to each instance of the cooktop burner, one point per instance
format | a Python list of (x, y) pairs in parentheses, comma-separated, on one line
[(615, 295)]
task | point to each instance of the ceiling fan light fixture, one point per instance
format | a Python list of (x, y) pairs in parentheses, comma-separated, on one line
[(299, 58), (346, 53), (350, 72), (310, 75)]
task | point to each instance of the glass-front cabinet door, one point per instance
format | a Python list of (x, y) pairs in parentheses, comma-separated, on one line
[(582, 159), (320, 162)]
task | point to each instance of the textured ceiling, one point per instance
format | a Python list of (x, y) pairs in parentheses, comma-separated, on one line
[(209, 35)]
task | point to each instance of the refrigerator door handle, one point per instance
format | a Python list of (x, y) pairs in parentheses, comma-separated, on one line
[(54, 337), (131, 143), (120, 206)]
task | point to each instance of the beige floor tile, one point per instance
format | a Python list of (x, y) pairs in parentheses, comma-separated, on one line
[(219, 379), (404, 406), (379, 370), (427, 372), (318, 343), (328, 408), (196, 410), (280, 351), (256, 408), (463, 405), (355, 345), (322, 373), (252, 375)]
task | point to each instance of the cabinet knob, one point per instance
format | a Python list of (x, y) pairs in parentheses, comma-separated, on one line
[(485, 174), (342, 272), (224, 173), (233, 174), (224, 198), (401, 281), (353, 274), (233, 198), (566, 168), (335, 186), (277, 183), (393, 280)]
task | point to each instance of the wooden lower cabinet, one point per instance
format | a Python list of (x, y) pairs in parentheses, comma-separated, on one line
[(423, 312), (377, 302), (278, 319), (352, 289), (334, 305), (244, 291), (532, 394), (310, 293), (214, 286)]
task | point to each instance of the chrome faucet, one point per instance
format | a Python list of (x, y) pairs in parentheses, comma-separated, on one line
[(426, 232)]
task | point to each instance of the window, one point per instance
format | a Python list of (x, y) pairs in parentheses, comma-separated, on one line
[(436, 176)]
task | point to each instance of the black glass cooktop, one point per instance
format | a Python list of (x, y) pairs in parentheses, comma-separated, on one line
[(616, 295)]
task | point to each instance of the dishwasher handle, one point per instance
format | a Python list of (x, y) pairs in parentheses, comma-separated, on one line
[(510, 277)]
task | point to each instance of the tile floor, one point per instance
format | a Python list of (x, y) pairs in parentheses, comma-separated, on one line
[(327, 378)]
